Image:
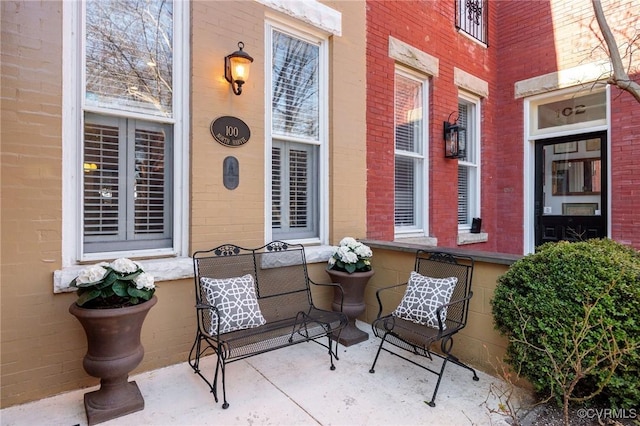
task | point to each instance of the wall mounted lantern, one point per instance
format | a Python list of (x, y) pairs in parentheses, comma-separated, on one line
[(236, 68), (454, 147)]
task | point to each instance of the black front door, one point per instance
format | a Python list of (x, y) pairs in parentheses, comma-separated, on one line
[(571, 188)]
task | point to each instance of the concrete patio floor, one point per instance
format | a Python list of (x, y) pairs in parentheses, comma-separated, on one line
[(292, 386)]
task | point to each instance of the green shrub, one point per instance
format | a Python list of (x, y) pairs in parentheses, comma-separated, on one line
[(571, 312)]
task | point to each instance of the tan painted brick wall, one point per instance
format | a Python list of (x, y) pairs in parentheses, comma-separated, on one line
[(42, 345), (220, 215)]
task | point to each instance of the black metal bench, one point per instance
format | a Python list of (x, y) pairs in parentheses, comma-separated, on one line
[(401, 329), (233, 329)]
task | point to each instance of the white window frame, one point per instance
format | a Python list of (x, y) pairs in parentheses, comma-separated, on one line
[(321, 39), (72, 125), (473, 161), (421, 198)]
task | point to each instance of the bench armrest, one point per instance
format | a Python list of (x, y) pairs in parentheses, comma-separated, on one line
[(214, 313), (335, 286)]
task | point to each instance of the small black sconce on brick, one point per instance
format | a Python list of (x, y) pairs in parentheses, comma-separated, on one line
[(454, 147)]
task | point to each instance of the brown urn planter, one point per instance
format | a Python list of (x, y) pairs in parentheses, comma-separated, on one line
[(353, 306), (113, 351)]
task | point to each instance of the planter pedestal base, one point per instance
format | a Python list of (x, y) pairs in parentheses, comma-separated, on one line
[(352, 335), (112, 401)]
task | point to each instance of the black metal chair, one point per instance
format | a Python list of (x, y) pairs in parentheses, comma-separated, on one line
[(396, 332)]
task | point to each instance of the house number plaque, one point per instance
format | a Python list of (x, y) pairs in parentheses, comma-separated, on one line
[(230, 131)]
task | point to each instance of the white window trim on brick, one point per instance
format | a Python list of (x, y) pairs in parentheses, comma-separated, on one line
[(420, 228), (321, 39), (174, 265), (473, 147)]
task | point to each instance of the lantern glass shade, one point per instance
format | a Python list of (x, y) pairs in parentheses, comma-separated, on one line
[(452, 148), (236, 68), (240, 68)]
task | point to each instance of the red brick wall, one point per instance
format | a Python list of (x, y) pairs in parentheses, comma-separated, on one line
[(625, 169), (537, 38), (430, 27)]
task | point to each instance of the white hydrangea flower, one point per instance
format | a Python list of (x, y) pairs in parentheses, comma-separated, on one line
[(91, 274), (332, 261), (348, 242), (346, 255), (363, 251), (144, 281), (124, 266)]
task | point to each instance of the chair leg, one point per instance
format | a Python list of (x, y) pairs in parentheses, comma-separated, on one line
[(446, 345), (194, 361), (372, 369), (221, 366), (330, 345), (432, 403)]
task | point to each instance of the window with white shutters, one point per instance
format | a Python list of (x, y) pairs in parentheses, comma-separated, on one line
[(294, 194), (126, 185), (468, 166), (410, 142), (128, 126), (296, 134)]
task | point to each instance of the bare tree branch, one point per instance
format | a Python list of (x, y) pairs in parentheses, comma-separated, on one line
[(620, 77)]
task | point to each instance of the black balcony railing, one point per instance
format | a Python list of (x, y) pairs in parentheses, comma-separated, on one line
[(472, 17)]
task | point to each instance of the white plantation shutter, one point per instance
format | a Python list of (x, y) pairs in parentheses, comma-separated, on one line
[(299, 189), (276, 187), (101, 180), (293, 188), (409, 157), (127, 201), (151, 182)]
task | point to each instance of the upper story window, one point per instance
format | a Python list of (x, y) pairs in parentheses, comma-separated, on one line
[(297, 127), (472, 17), (124, 118), (469, 166), (410, 141)]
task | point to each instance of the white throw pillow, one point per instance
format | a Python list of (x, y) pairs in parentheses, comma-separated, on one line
[(236, 301), (422, 298)]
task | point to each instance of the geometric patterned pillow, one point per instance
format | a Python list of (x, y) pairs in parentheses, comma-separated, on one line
[(423, 296), (236, 301)]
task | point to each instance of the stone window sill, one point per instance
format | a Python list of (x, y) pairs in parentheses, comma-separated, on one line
[(469, 238), (170, 269)]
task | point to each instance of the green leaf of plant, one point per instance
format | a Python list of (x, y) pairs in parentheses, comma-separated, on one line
[(87, 296), (134, 292), (120, 288), (130, 277)]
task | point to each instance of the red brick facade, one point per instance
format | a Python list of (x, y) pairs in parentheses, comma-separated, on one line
[(527, 39)]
